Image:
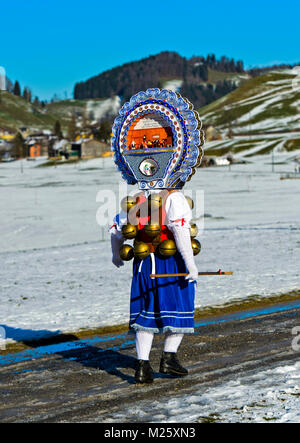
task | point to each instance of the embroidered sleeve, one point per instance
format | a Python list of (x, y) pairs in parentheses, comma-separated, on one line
[(178, 210)]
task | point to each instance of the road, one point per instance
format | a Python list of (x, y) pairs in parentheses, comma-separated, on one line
[(90, 380)]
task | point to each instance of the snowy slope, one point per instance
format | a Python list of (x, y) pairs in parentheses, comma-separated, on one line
[(263, 109), (56, 261)]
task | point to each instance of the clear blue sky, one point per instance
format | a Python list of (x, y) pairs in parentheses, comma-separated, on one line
[(49, 45)]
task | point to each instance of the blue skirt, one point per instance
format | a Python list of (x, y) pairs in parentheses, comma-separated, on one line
[(164, 303)]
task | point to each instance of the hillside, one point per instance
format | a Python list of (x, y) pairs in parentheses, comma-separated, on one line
[(191, 75), (202, 80), (259, 116), (15, 112), (93, 110)]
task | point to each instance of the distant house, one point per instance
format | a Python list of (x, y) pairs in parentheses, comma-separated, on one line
[(212, 134), (24, 131), (88, 148), (6, 156), (33, 149), (93, 148), (7, 135), (58, 148), (217, 161), (5, 151), (38, 143)]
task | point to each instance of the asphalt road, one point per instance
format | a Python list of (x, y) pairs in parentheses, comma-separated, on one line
[(89, 380)]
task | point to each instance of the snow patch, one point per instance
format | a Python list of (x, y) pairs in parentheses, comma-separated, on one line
[(97, 110)]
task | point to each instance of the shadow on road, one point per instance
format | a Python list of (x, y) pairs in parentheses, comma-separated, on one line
[(45, 342)]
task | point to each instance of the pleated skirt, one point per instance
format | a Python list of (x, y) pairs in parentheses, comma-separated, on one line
[(161, 304)]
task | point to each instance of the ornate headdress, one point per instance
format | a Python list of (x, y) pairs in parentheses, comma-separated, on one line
[(157, 140)]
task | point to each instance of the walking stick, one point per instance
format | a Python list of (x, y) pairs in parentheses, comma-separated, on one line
[(184, 274)]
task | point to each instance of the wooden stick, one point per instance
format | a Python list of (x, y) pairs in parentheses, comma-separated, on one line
[(184, 274)]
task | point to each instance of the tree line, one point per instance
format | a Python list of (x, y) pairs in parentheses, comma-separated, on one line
[(15, 89), (152, 71)]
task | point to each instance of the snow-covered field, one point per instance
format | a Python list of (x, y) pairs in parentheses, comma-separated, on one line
[(56, 271), (271, 395)]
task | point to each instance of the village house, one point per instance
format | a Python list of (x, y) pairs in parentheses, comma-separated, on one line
[(58, 148), (212, 133), (38, 144), (6, 134), (89, 148), (93, 148)]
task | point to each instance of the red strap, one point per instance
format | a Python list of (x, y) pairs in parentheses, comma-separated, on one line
[(182, 220)]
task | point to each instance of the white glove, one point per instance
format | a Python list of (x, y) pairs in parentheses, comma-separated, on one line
[(193, 273), (117, 261), (116, 240), (183, 242)]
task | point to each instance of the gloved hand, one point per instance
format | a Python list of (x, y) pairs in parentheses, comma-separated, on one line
[(117, 241), (183, 242), (193, 273), (117, 261)]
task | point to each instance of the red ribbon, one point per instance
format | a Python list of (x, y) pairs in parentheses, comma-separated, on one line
[(182, 220)]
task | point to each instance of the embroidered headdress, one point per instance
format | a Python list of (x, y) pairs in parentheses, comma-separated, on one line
[(157, 140)]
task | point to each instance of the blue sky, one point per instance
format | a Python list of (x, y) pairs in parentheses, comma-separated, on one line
[(50, 45)]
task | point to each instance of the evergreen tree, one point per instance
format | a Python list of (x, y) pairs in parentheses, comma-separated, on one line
[(17, 89), (57, 130), (27, 94), (104, 131), (84, 121), (72, 128), (18, 146)]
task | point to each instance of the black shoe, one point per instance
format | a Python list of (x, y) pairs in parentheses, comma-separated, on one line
[(144, 372), (169, 364)]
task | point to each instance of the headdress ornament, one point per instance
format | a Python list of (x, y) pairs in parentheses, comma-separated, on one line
[(171, 124)]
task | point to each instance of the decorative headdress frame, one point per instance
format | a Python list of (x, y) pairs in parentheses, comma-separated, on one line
[(158, 167)]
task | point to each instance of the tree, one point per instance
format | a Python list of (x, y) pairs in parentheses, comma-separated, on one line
[(18, 146), (27, 94), (36, 101), (72, 128), (57, 130), (17, 89), (103, 132), (84, 121)]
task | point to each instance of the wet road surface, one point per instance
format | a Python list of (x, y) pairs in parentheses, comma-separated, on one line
[(90, 380)]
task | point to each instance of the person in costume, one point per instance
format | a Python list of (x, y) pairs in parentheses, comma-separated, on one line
[(158, 220), (161, 305)]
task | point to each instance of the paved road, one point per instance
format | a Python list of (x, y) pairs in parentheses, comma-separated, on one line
[(89, 380)]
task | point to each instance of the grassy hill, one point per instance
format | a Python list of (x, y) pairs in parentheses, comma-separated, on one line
[(261, 115), (15, 112)]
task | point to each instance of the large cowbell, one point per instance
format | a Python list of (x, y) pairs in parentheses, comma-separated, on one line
[(157, 140)]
